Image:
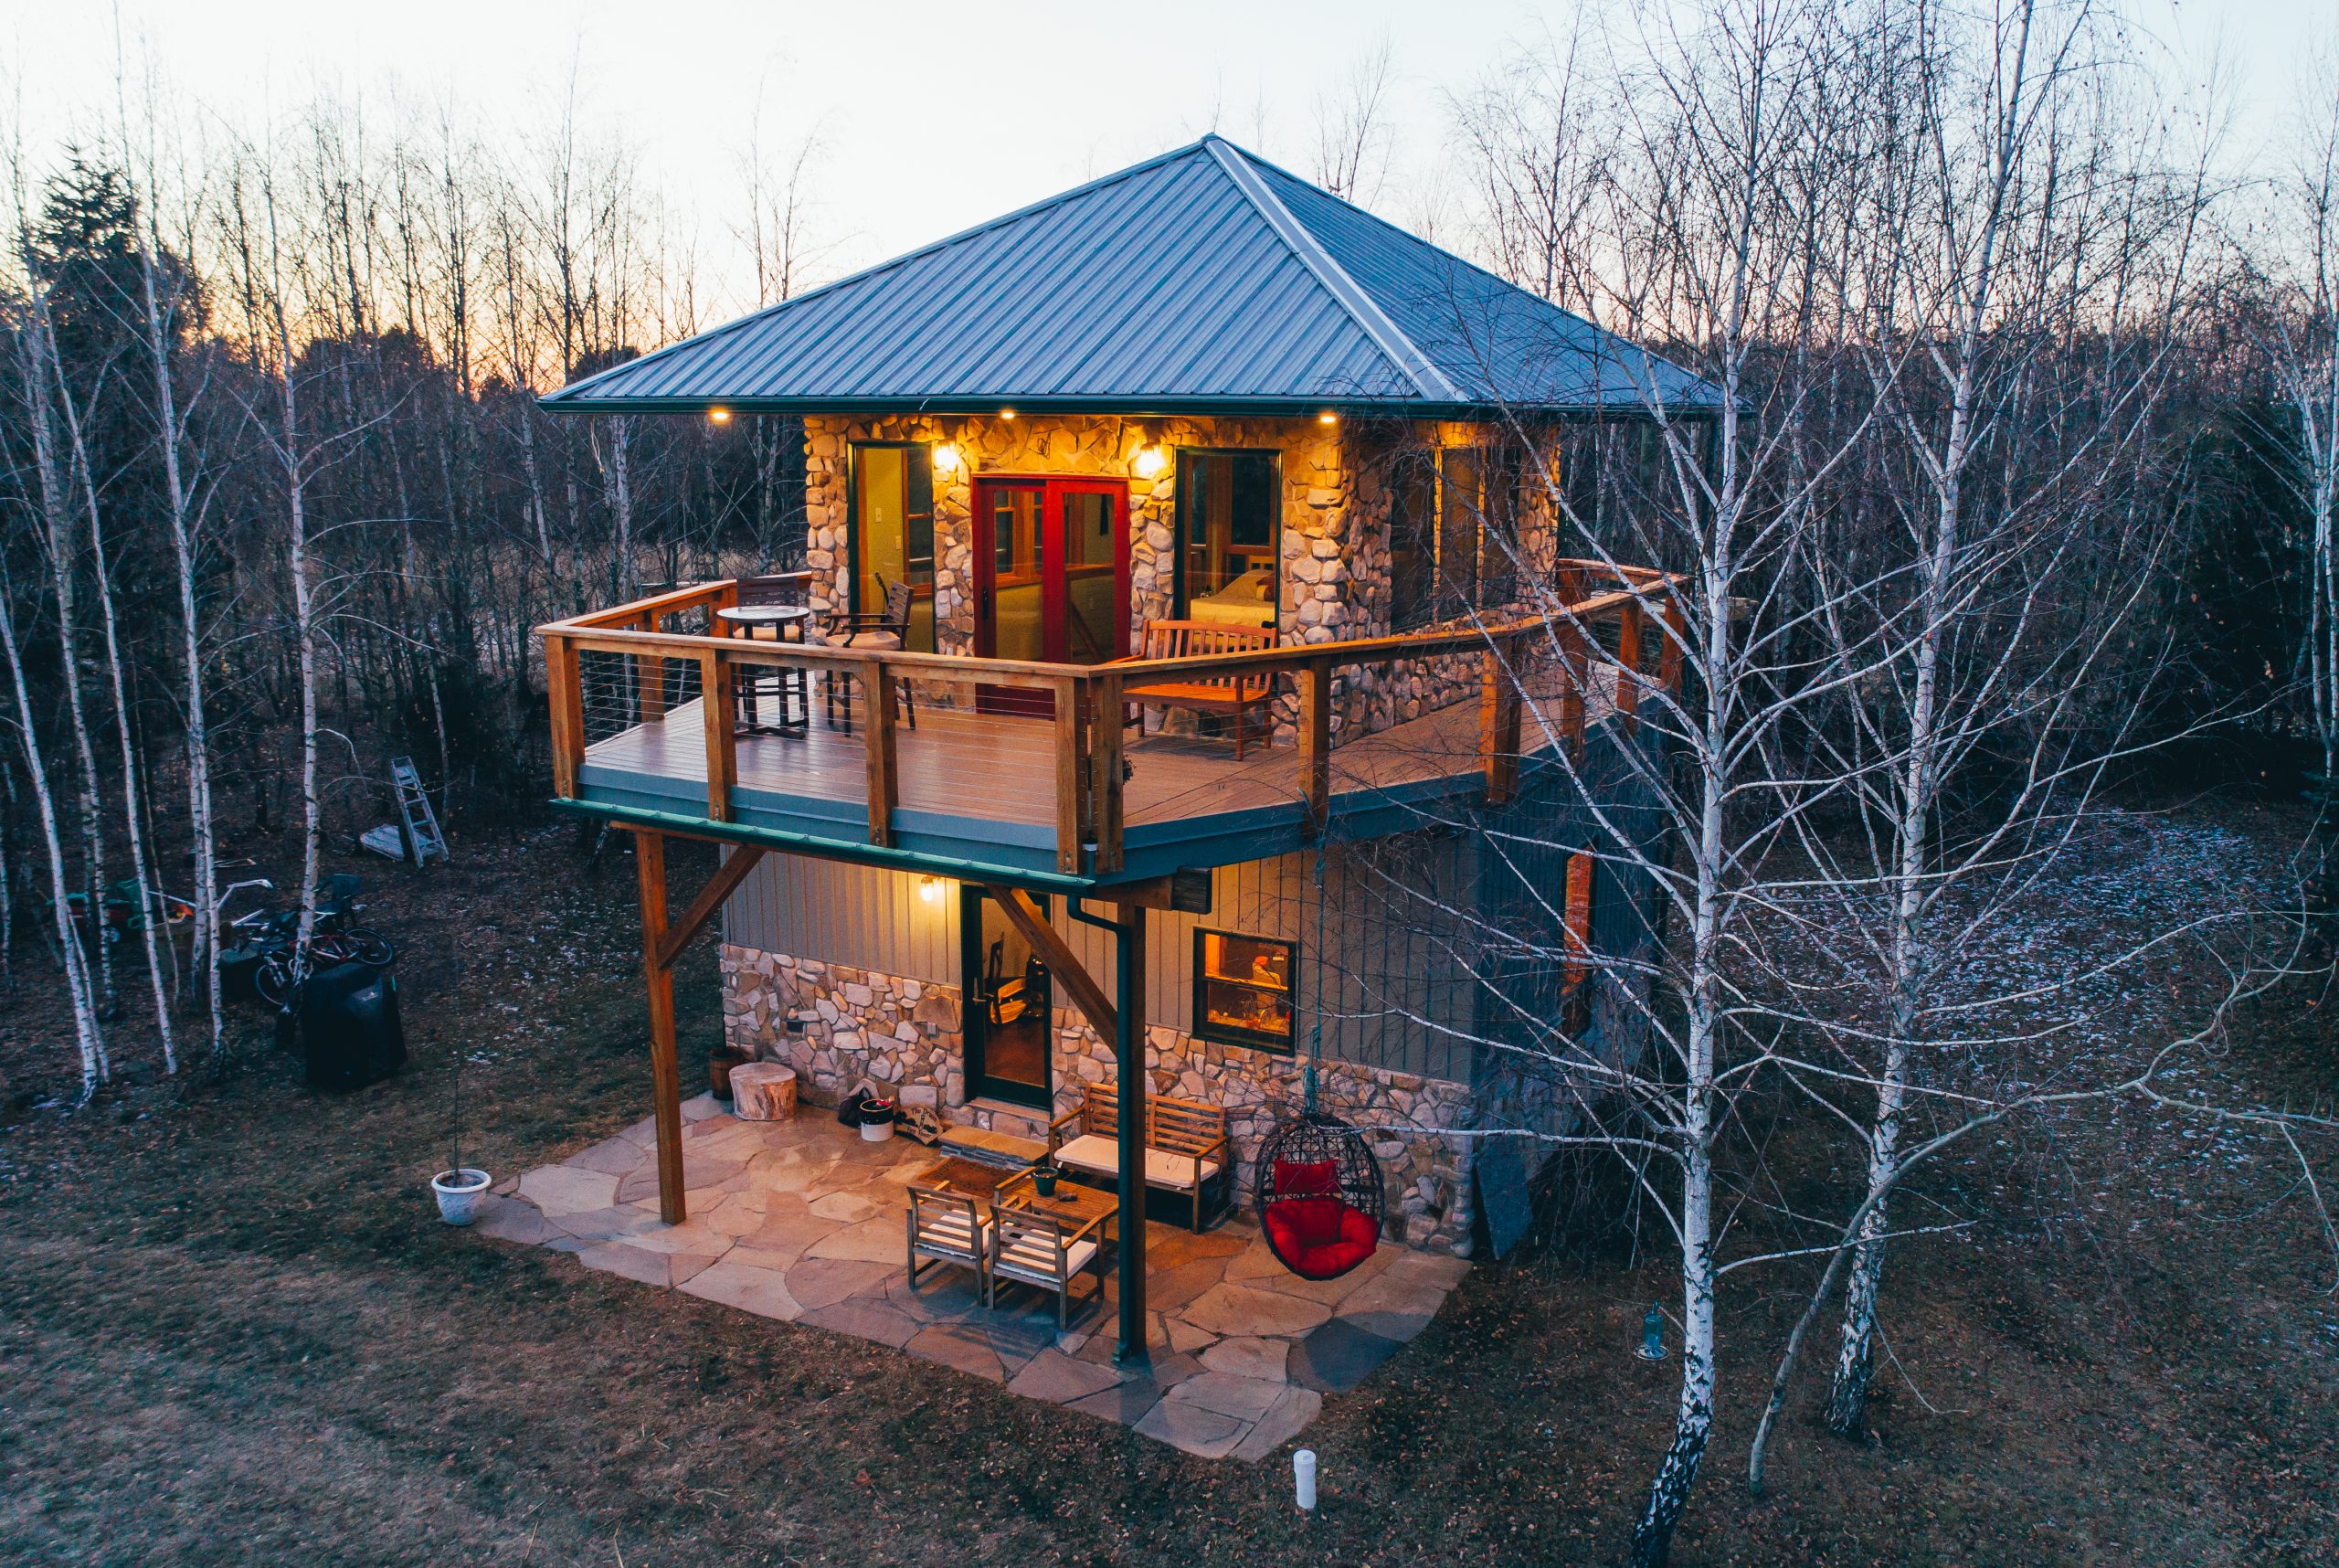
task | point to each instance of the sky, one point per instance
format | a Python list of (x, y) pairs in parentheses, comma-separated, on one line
[(930, 117)]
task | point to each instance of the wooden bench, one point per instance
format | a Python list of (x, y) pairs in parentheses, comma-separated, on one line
[(1232, 695), (1186, 1145)]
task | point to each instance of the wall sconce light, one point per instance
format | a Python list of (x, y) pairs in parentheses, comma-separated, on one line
[(1328, 418), (719, 414), (1151, 460), (945, 458), (929, 888), (1007, 413)]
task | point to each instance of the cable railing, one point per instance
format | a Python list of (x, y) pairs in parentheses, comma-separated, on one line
[(1046, 745)]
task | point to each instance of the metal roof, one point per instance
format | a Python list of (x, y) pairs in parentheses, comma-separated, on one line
[(1203, 281)]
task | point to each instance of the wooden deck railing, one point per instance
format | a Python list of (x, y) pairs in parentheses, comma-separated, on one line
[(1087, 700)]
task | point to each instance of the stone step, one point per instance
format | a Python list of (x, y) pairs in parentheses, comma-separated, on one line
[(1001, 1148)]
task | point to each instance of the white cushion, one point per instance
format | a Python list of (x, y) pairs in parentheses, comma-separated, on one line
[(1095, 1152), (1033, 1259)]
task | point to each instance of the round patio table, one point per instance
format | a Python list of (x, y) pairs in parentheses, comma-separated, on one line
[(786, 623)]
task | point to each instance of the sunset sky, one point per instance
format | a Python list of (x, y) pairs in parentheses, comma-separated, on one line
[(931, 117)]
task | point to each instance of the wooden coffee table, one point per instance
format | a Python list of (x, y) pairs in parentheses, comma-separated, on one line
[(1076, 1204), (970, 1177)]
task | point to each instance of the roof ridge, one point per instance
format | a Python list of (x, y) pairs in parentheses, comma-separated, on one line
[(1455, 257), (1403, 353), (879, 269)]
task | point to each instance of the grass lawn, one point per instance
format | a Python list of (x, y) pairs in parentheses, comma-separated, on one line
[(233, 1331)]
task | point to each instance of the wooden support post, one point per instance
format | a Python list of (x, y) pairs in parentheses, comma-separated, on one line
[(1499, 722), (1314, 683), (1104, 751), (1668, 658), (1628, 665), (877, 746), (1070, 815), (722, 733), (1128, 1062), (650, 674), (665, 1078), (567, 701), (1575, 669)]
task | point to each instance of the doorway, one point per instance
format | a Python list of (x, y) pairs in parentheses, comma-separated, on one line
[(1051, 579), (1008, 1021)]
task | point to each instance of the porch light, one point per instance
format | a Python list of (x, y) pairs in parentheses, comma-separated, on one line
[(1150, 461), (1007, 413), (1328, 418), (929, 888), (719, 414), (945, 460)]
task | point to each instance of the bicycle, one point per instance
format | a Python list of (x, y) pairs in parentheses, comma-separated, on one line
[(283, 964)]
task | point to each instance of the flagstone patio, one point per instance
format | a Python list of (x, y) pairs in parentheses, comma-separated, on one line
[(802, 1220)]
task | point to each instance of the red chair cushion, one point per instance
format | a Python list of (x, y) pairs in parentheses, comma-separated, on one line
[(1300, 1179), (1320, 1238)]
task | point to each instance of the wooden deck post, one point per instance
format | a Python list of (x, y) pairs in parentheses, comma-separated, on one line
[(567, 703), (722, 733), (1628, 665), (878, 747), (665, 1078), (1499, 722), (1128, 1063), (650, 675), (1315, 682), (1106, 741), (1070, 815), (1575, 670)]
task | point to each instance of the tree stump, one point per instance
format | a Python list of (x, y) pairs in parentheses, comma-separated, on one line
[(763, 1091)]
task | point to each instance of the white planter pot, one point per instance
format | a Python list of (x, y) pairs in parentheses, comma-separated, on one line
[(876, 1131), (459, 1192)]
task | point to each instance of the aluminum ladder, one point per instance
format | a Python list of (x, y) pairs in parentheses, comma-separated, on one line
[(422, 836)]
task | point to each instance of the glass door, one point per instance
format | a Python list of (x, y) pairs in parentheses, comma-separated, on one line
[(1051, 579), (1010, 997)]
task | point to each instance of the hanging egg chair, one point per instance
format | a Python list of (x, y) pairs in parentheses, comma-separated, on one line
[(1320, 1199)]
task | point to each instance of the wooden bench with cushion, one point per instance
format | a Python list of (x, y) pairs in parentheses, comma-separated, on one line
[(1186, 1145), (1232, 695)]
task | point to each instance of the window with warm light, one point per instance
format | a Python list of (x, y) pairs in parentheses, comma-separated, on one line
[(1229, 531), (892, 530), (1244, 990)]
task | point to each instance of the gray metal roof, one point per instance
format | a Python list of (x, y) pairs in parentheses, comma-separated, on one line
[(1205, 280)]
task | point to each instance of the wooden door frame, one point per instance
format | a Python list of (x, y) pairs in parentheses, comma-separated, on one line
[(1053, 597)]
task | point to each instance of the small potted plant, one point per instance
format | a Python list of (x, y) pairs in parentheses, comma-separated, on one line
[(459, 1187), (1044, 1180), (876, 1118)]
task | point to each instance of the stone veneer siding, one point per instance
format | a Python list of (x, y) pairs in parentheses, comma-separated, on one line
[(851, 1025), (1335, 568)]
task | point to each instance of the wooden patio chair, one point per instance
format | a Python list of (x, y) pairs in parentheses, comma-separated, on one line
[(1047, 1251), (1234, 695), (887, 629), (948, 1227)]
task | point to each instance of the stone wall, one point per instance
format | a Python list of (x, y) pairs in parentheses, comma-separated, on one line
[(1334, 566), (838, 1026)]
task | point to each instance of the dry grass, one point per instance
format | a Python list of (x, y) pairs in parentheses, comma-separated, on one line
[(232, 1330)]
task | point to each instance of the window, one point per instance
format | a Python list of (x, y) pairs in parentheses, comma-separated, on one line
[(1452, 534), (1243, 991), (893, 530), (1229, 536)]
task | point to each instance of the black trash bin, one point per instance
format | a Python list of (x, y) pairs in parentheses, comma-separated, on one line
[(350, 1031)]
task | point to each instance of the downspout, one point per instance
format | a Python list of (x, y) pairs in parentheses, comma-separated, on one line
[(1129, 1058)]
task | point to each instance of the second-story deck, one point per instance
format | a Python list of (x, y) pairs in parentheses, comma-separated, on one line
[(1370, 735)]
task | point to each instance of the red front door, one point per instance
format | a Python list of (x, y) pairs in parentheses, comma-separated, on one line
[(1052, 578)]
